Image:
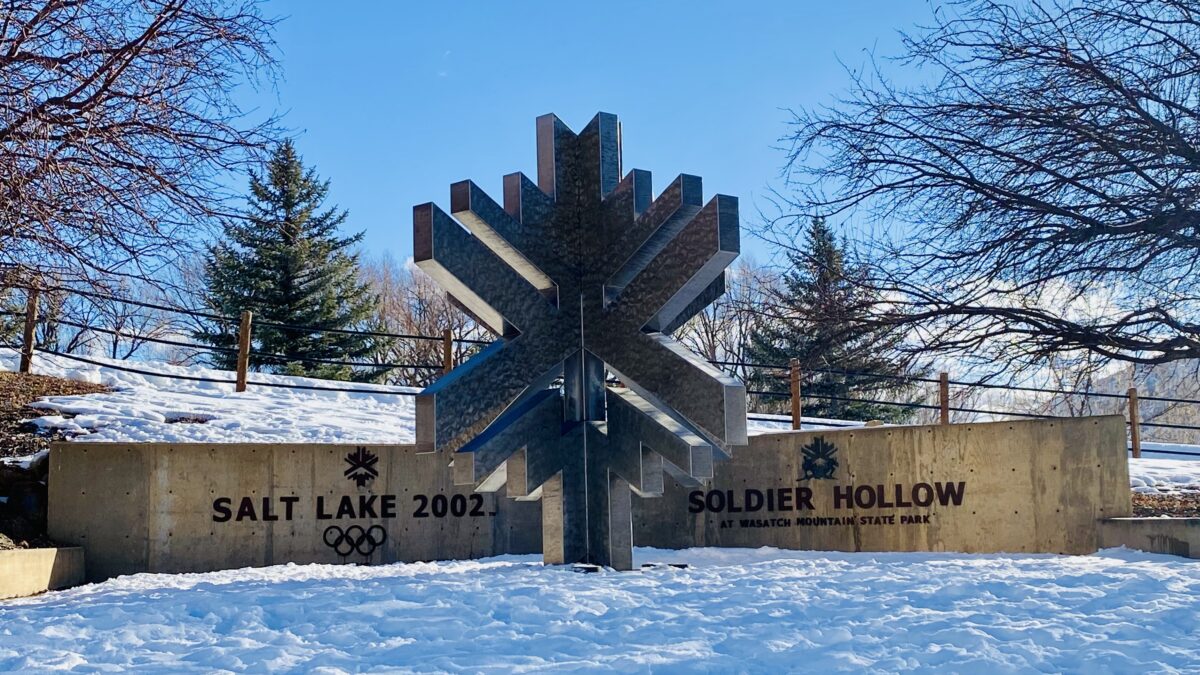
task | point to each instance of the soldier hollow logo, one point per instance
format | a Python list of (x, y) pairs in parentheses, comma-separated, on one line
[(819, 460), (819, 463)]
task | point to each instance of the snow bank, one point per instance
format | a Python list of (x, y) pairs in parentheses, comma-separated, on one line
[(1157, 476), (731, 611), (147, 408)]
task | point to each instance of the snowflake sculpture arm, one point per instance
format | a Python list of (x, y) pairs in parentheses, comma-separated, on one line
[(581, 273)]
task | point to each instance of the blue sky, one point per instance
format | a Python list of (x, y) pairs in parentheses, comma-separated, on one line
[(394, 101)]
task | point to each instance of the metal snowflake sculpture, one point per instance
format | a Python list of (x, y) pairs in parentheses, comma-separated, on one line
[(585, 398)]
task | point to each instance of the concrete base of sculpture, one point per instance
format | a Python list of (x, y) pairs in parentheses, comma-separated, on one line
[(1032, 486)]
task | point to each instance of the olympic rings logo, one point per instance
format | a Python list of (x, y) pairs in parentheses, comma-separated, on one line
[(355, 538)]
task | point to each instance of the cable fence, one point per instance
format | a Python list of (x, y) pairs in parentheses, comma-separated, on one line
[(797, 392), (244, 353), (213, 380)]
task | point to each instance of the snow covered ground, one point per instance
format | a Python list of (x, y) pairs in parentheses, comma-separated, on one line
[(744, 610), (1157, 476), (143, 407), (147, 408)]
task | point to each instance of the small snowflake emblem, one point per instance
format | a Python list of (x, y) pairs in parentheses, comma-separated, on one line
[(362, 466)]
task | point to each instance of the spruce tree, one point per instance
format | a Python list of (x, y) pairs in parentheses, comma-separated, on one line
[(820, 324), (286, 262)]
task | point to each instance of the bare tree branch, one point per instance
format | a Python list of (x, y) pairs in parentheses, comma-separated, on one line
[(1037, 194), (118, 128)]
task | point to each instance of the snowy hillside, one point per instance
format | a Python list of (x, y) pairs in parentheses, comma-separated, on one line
[(730, 611), (146, 408), (151, 408)]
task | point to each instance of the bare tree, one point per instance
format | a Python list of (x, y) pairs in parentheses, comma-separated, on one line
[(126, 329), (722, 331), (410, 303), (179, 290), (1163, 387), (1036, 192), (119, 326), (117, 126)]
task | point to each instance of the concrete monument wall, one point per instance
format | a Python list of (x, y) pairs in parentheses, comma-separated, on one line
[(1036, 486), (1028, 486), (164, 507)]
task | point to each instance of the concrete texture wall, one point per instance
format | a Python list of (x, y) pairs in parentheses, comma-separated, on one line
[(36, 570), (1176, 536), (1035, 486), (1028, 486), (196, 507)]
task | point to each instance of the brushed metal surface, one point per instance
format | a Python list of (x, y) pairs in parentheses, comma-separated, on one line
[(582, 275)]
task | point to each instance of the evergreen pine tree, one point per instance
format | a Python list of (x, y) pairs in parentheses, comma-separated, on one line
[(820, 325), (285, 262)]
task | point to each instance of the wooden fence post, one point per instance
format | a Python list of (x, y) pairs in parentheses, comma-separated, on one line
[(447, 351), (243, 355), (29, 337), (794, 367), (944, 396), (1135, 436)]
